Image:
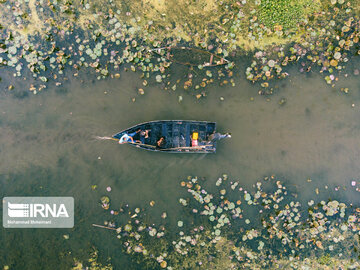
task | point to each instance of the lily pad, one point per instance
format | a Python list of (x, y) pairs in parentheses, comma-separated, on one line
[(337, 55), (158, 78), (271, 63), (105, 200), (247, 197)]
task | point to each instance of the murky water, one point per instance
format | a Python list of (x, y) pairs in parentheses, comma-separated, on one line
[(48, 148)]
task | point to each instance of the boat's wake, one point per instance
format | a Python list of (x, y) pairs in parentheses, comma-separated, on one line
[(103, 138)]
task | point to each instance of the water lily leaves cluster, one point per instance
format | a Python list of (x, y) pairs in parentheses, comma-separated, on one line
[(48, 37), (325, 43), (238, 227)]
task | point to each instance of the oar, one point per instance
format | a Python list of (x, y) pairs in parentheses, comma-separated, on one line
[(189, 147), (114, 139), (148, 145)]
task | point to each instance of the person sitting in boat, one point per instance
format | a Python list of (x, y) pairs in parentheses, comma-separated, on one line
[(194, 139), (128, 138), (144, 134), (217, 136), (161, 142)]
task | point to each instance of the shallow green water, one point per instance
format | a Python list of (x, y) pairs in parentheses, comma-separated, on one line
[(47, 148)]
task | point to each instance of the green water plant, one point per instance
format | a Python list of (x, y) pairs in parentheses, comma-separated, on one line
[(235, 228), (110, 36), (285, 15), (92, 263)]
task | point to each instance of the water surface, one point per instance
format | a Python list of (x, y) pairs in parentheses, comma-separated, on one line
[(48, 148)]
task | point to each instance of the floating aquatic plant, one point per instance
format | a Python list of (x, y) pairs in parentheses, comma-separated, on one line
[(92, 263), (270, 230), (108, 35)]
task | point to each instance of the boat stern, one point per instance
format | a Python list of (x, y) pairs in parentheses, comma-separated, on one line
[(118, 135)]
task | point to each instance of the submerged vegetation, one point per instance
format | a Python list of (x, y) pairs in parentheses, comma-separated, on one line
[(92, 263), (48, 37), (235, 228)]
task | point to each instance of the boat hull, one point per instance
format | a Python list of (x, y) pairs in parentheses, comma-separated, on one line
[(177, 134)]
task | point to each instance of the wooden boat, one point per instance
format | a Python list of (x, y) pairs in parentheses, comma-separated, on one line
[(181, 136), (190, 56)]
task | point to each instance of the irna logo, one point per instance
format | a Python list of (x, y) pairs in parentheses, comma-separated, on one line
[(36, 210)]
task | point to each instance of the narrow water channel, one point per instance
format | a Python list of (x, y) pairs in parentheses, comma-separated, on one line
[(47, 148)]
